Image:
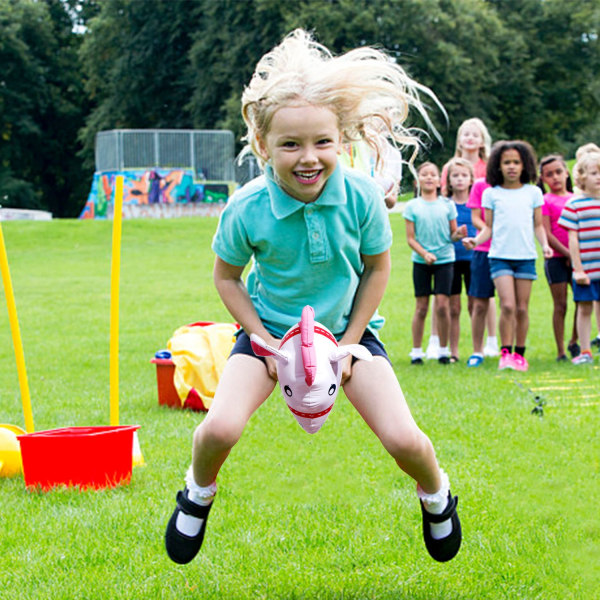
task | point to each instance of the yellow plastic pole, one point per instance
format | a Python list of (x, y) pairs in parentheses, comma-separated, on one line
[(16, 335), (115, 271)]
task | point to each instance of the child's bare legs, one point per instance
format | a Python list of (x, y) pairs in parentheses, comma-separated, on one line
[(559, 312), (584, 324), (455, 310), (522, 295), (232, 407), (418, 321), (505, 285), (442, 313), (478, 319), (490, 319), (376, 394)]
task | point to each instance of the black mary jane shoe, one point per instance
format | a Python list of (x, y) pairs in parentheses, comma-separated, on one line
[(182, 548), (446, 548)]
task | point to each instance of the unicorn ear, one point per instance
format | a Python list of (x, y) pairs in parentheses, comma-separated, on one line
[(355, 349), (261, 348)]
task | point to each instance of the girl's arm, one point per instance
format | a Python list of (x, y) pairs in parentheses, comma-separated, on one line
[(540, 232), (486, 231), (553, 241), (477, 218), (457, 233), (233, 293), (579, 275), (373, 281), (429, 257)]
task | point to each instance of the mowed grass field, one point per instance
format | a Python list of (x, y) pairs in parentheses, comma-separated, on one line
[(297, 517)]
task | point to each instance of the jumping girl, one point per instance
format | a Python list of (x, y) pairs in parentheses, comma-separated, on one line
[(320, 235)]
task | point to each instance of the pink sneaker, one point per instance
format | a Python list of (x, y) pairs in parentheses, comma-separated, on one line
[(506, 360), (520, 362)]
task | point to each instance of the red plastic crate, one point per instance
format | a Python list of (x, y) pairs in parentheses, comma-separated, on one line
[(89, 457)]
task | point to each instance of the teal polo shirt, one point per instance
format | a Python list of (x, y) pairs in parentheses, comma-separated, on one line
[(304, 253)]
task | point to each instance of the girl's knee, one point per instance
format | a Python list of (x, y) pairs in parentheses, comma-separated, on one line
[(403, 444), (216, 434)]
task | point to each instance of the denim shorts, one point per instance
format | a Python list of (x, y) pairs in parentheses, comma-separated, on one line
[(586, 293), (558, 270), (519, 269), (481, 285), (369, 341)]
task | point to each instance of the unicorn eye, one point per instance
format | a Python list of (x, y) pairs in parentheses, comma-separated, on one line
[(331, 389), (288, 390)]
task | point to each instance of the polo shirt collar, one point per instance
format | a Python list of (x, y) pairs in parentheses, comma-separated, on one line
[(283, 205)]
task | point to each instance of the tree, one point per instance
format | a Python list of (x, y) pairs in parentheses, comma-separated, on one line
[(136, 60), (41, 107)]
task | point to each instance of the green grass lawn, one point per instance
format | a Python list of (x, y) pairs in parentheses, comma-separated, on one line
[(297, 516)]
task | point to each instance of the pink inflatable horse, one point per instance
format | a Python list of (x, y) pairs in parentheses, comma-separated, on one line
[(308, 368)]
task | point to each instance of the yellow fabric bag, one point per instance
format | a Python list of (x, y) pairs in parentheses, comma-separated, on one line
[(199, 353)]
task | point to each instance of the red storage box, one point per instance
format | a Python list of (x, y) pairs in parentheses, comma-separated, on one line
[(167, 394), (89, 457)]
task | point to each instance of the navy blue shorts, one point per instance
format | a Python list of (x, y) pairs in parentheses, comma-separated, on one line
[(482, 285), (586, 293), (558, 270), (462, 272), (369, 341)]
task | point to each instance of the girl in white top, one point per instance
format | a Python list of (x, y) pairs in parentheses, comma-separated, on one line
[(513, 214)]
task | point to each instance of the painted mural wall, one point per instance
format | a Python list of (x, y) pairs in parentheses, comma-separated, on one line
[(157, 193)]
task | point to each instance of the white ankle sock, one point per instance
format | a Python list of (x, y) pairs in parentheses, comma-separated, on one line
[(444, 351), (197, 494), (435, 504), (417, 353)]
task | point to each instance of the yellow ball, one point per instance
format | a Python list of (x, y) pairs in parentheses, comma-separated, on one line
[(10, 454)]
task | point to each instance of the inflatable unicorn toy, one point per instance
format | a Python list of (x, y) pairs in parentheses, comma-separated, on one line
[(308, 368)]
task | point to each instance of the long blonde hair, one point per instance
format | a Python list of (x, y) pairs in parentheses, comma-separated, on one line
[(368, 92)]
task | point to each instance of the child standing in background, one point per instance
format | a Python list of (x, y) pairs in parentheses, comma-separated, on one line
[(555, 175), (460, 180), (473, 143), (581, 216), (590, 147), (315, 234), (513, 217), (430, 230)]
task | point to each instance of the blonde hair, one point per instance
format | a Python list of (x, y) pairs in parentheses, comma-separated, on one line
[(457, 161), (484, 151), (591, 147), (367, 91), (586, 161)]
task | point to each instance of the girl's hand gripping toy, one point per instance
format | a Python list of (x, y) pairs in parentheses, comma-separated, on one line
[(308, 368)]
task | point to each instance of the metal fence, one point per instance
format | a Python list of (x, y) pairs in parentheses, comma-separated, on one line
[(210, 154)]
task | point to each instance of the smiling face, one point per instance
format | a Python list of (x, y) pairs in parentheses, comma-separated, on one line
[(511, 167), (429, 180), (470, 139), (302, 144), (554, 175)]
